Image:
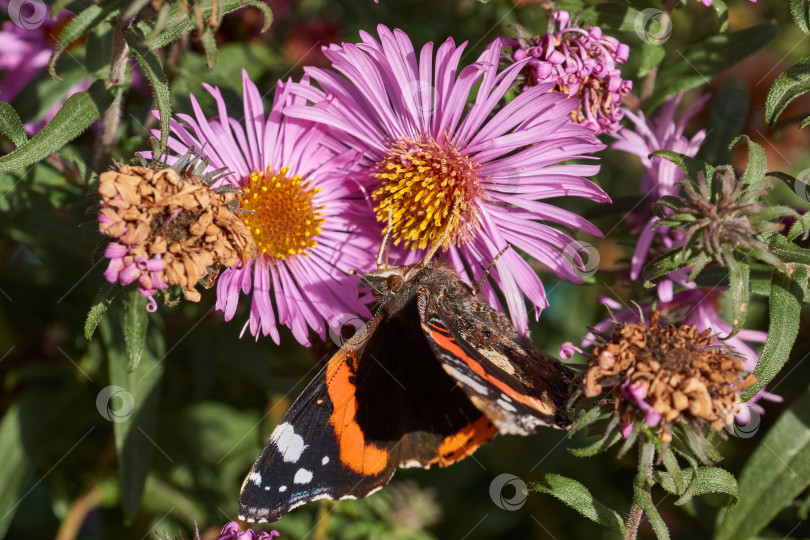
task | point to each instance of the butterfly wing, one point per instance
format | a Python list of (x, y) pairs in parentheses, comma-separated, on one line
[(514, 384), (381, 402)]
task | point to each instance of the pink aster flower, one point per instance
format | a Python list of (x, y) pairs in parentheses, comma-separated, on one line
[(305, 216), (583, 63), (661, 178), (435, 165), (231, 531)]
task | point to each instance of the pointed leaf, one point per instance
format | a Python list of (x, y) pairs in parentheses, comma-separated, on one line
[(101, 302), (602, 444), (79, 111), (783, 327), (584, 420), (777, 471), (580, 499), (153, 69), (674, 472), (666, 263), (135, 323), (209, 44), (80, 25), (740, 291), (709, 480), (644, 500), (800, 9), (787, 87), (755, 172), (14, 466), (11, 126), (691, 166)]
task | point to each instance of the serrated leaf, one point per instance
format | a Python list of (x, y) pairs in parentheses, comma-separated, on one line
[(651, 56), (777, 471), (79, 111), (755, 171), (11, 126), (708, 480), (101, 302), (787, 87), (136, 321), (800, 9), (704, 59), (580, 499), (80, 25), (153, 69), (14, 466), (783, 327)]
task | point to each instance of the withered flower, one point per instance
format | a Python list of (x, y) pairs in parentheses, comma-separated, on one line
[(666, 374), (168, 228), (719, 215)]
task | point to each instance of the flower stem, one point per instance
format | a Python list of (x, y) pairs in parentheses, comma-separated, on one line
[(72, 523), (649, 81), (645, 464), (112, 116)]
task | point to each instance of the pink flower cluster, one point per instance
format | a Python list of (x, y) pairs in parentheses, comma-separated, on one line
[(582, 62), (125, 269), (231, 531)]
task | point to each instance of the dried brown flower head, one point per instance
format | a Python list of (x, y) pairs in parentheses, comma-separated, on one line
[(168, 228), (666, 374)]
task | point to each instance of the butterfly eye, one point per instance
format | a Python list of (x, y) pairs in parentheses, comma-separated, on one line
[(394, 283)]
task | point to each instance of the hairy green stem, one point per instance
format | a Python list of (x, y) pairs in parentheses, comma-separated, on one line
[(112, 117), (645, 465)]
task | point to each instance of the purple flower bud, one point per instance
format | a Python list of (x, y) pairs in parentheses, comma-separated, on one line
[(519, 55), (114, 250), (568, 349), (562, 17)]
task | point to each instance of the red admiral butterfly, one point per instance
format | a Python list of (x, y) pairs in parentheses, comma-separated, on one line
[(430, 378)]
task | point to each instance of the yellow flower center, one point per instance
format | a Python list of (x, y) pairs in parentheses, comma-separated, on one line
[(282, 219), (420, 183)]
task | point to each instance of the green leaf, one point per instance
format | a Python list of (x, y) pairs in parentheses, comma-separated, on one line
[(740, 291), (777, 471), (673, 472), (584, 420), (721, 10), (602, 444), (800, 9), (787, 87), (580, 499), (691, 166), (14, 466), (644, 500), (80, 25), (136, 322), (651, 56), (783, 327), (209, 44), (153, 69), (11, 126), (709, 480), (101, 302), (132, 406), (616, 16), (805, 123), (706, 58), (79, 111), (666, 263), (726, 120), (755, 172)]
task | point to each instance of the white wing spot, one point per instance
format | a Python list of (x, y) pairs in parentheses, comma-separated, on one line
[(256, 478), (506, 398), (325, 460), (302, 476), (508, 406), (282, 489), (267, 488), (289, 444), (466, 380)]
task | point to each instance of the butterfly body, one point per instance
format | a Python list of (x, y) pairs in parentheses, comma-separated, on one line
[(430, 378)]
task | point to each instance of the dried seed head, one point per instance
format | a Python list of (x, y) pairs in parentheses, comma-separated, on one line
[(667, 374), (168, 228)]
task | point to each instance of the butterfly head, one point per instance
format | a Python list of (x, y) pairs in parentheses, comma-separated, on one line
[(391, 279)]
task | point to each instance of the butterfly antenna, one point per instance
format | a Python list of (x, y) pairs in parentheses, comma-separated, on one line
[(486, 272), (385, 243), (435, 247)]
